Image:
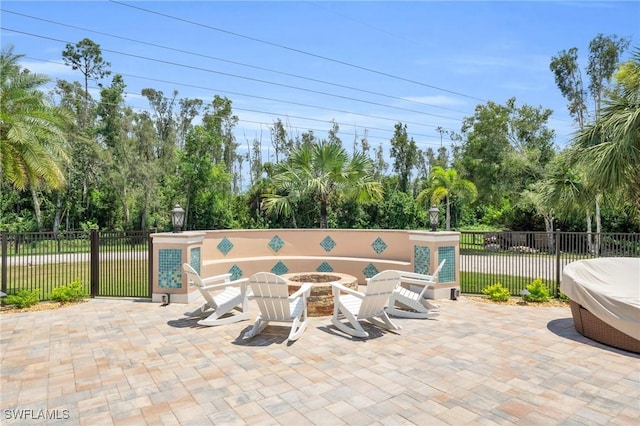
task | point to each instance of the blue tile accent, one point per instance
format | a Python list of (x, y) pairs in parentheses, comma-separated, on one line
[(170, 268), (328, 244), (422, 259), (276, 243), (225, 246), (195, 259), (324, 267), (370, 270), (448, 273), (379, 246), (280, 268), (235, 272)]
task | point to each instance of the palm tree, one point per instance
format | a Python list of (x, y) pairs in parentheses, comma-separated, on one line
[(609, 148), (32, 137), (444, 184), (321, 171)]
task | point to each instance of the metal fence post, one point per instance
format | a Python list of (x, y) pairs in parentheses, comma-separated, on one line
[(5, 247), (150, 259), (557, 262), (95, 262)]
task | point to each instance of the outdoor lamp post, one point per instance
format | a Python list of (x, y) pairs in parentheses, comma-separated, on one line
[(434, 218), (177, 217)]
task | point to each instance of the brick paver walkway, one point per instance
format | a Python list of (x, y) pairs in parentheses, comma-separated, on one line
[(130, 362)]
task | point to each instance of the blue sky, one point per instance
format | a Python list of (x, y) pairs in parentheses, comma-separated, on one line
[(366, 65)]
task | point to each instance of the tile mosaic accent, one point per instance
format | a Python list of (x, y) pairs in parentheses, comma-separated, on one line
[(280, 268), (448, 273), (225, 246), (170, 268), (324, 267), (370, 270), (422, 259), (195, 259), (328, 244), (235, 272), (276, 243), (379, 246)]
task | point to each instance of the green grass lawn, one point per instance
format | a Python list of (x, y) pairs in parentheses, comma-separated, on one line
[(117, 277), (475, 282)]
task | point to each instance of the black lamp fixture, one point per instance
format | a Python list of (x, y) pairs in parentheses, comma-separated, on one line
[(177, 218), (434, 218)]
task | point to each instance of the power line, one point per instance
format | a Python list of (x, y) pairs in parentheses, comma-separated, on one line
[(337, 61), (238, 63), (242, 77)]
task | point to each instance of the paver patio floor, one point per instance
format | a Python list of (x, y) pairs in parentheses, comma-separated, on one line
[(131, 362)]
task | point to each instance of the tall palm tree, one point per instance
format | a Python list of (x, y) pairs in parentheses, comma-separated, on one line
[(610, 147), (444, 184), (321, 171), (32, 138)]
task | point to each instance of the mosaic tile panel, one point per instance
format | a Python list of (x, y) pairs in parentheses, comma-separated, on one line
[(422, 259), (195, 259), (328, 244), (370, 270), (170, 268), (235, 272), (448, 273), (225, 246), (379, 246), (324, 267), (280, 268), (276, 243)]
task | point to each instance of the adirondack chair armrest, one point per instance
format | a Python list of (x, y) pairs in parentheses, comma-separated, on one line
[(242, 282), (222, 277), (347, 290), (304, 289)]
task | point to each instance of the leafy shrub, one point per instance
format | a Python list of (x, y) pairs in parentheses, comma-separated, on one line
[(23, 298), (563, 297), (69, 293), (538, 292), (497, 292)]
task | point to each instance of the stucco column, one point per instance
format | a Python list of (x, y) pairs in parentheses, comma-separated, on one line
[(431, 248), (170, 251)]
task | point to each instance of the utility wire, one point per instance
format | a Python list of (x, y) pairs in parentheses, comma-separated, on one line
[(241, 77), (238, 63), (337, 61)]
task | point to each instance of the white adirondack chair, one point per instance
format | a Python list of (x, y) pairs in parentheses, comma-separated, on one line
[(221, 298), (356, 306), (408, 303), (271, 292)]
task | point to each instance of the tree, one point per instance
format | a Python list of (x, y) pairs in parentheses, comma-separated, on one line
[(569, 80), (33, 144), (405, 155), (446, 184), (86, 56), (604, 55), (321, 171), (609, 148)]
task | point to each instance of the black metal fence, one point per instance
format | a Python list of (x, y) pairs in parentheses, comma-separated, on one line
[(105, 263), (514, 259)]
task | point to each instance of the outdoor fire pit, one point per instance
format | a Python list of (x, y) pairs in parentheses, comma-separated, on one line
[(320, 303)]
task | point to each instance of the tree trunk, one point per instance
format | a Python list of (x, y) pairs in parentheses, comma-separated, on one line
[(596, 243), (323, 215), (589, 233), (448, 215), (36, 207), (58, 216)]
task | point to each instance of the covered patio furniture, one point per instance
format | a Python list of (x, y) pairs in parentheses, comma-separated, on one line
[(370, 305), (271, 292), (220, 299)]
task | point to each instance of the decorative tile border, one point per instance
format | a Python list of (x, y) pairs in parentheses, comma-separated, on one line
[(170, 268), (370, 270), (422, 259), (448, 273), (225, 246), (379, 245), (327, 244), (280, 268), (324, 267), (195, 259), (235, 272), (276, 244)]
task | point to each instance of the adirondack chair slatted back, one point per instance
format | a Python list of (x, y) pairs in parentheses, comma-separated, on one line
[(379, 289), (197, 280), (271, 293)]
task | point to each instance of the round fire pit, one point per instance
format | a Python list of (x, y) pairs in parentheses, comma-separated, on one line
[(320, 302)]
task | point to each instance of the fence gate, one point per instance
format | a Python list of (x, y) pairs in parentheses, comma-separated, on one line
[(122, 265)]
